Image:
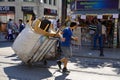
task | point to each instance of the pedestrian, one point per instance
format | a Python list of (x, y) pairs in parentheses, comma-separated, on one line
[(68, 21), (92, 29), (104, 34), (10, 28), (58, 41), (98, 36), (10, 34), (54, 24), (21, 25), (66, 37), (58, 23), (16, 30)]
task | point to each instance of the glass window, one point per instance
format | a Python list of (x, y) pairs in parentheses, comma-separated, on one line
[(45, 1), (2, 0), (11, 0), (28, 0), (54, 2), (69, 1), (50, 1)]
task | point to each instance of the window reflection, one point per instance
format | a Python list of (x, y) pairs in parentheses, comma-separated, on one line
[(2, 0), (11, 0), (28, 0)]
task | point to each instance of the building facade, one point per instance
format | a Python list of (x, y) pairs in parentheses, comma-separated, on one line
[(106, 10), (22, 9)]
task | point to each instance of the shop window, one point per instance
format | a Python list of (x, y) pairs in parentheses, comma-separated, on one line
[(2, 0), (50, 11), (54, 2), (28, 0), (45, 1), (11, 0), (50, 1)]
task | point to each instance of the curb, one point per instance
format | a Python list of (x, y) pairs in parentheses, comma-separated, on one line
[(93, 57)]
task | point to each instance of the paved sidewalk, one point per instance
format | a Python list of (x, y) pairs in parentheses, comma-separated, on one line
[(84, 65), (109, 53), (2, 37)]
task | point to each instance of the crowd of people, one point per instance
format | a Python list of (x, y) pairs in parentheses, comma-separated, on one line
[(14, 29)]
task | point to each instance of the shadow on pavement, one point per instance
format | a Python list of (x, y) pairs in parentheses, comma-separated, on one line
[(117, 71), (5, 44), (85, 58), (61, 77), (22, 72), (96, 63), (13, 57)]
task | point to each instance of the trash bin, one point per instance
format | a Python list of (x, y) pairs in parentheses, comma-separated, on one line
[(32, 47)]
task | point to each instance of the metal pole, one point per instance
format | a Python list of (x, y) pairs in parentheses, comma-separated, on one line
[(64, 11)]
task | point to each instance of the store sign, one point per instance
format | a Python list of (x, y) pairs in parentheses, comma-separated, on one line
[(27, 8), (99, 16), (97, 4), (115, 15), (4, 9), (50, 11), (83, 16)]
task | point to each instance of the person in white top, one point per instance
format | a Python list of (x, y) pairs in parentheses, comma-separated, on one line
[(103, 29), (10, 34), (54, 24), (104, 32)]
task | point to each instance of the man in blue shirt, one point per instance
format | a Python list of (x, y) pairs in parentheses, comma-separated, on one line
[(66, 38)]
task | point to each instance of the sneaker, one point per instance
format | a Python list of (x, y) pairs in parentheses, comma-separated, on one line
[(65, 70), (59, 64), (93, 48), (101, 55)]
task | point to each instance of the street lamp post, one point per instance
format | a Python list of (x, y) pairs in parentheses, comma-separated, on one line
[(64, 11)]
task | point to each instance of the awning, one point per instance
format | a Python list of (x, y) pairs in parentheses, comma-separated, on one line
[(97, 11)]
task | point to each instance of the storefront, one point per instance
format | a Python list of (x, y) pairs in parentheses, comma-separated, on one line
[(6, 12), (106, 10), (27, 12), (50, 13)]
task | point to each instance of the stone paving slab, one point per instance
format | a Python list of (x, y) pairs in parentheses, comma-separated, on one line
[(81, 68)]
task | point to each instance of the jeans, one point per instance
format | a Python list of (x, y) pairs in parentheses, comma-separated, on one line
[(100, 40), (10, 36)]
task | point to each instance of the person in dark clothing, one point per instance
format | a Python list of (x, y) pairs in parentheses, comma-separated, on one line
[(21, 25), (92, 29), (98, 36), (58, 23)]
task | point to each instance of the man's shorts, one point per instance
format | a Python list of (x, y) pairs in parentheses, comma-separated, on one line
[(66, 51)]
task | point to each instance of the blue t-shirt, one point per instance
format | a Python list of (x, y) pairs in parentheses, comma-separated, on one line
[(67, 34)]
